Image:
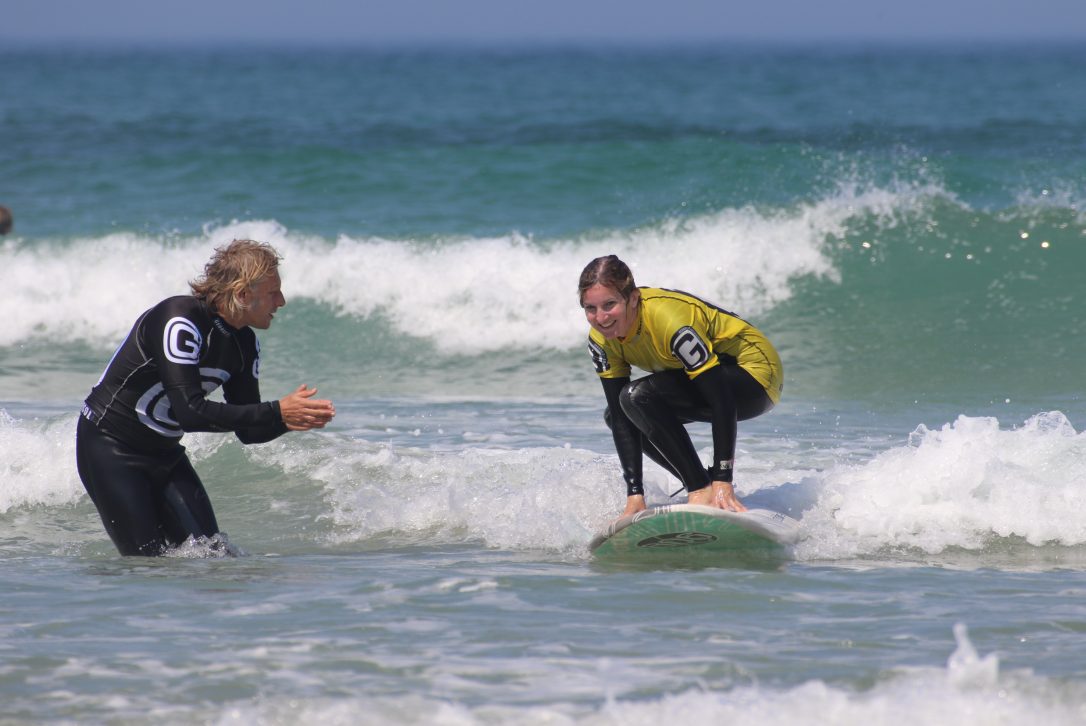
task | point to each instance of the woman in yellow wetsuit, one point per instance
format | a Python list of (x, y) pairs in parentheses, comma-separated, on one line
[(704, 364)]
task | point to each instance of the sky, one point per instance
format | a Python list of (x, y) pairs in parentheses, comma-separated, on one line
[(445, 21)]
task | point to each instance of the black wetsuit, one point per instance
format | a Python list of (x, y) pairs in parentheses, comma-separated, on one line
[(659, 404), (128, 442)]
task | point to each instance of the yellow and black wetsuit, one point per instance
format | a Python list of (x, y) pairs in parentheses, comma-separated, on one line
[(706, 364)]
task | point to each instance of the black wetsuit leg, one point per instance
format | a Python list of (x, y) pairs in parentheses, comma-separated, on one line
[(647, 448), (661, 403), (147, 503)]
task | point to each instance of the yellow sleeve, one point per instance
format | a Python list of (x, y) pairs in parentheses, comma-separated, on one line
[(607, 358)]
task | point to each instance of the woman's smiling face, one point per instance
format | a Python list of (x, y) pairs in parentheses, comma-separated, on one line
[(608, 312)]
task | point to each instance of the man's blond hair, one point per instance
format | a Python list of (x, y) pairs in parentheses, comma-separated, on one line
[(233, 268)]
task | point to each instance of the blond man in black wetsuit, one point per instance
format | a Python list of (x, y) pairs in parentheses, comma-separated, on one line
[(128, 441), (704, 364)]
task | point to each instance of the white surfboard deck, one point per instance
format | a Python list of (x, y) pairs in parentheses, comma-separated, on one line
[(694, 527)]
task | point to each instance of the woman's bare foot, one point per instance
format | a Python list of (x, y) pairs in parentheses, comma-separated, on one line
[(720, 495), (634, 504), (724, 497), (703, 496)]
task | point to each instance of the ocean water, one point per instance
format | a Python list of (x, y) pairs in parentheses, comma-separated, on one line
[(907, 224)]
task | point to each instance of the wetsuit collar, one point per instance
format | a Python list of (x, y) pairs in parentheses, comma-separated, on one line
[(217, 320), (224, 327)]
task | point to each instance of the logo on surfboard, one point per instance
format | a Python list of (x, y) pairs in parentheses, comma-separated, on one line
[(677, 539)]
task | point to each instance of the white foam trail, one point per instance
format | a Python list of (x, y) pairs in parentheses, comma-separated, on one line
[(37, 463), (37, 460), (966, 668), (91, 290), (962, 486), (484, 295), (959, 486), (549, 499), (925, 696), (1061, 195), (465, 296)]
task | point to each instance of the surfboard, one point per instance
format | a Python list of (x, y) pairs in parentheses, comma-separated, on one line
[(681, 528)]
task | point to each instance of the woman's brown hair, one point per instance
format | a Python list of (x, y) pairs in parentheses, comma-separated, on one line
[(608, 271)]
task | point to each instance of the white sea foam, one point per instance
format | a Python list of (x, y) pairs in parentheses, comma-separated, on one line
[(37, 463), (966, 486), (37, 460), (1061, 195), (519, 499), (959, 486), (967, 690), (463, 295), (90, 290), (962, 486)]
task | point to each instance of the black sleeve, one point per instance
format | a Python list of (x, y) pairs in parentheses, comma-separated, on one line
[(194, 412), (712, 385), (263, 434), (626, 435), (176, 337), (245, 388)]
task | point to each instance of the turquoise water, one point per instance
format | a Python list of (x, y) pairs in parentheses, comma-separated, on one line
[(905, 223)]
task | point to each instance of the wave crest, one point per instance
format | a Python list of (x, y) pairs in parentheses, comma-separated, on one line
[(464, 296)]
